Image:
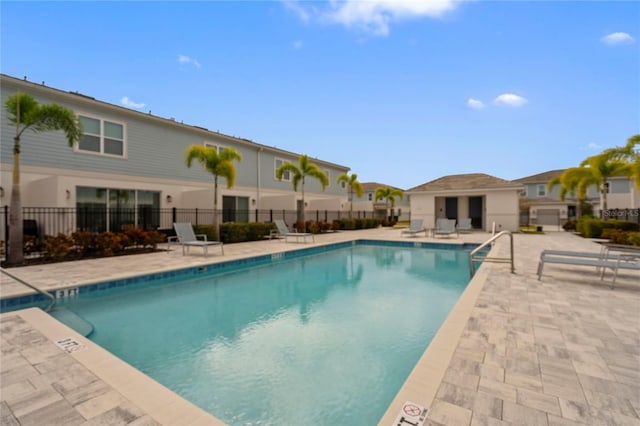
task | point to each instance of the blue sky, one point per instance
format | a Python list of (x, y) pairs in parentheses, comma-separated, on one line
[(400, 92)]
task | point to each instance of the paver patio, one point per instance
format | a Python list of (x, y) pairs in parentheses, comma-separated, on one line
[(561, 351)]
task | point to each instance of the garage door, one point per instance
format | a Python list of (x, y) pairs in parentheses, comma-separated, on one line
[(548, 217)]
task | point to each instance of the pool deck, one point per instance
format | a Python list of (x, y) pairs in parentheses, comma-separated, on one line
[(514, 351)]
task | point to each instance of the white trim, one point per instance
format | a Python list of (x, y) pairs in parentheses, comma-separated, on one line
[(101, 119)]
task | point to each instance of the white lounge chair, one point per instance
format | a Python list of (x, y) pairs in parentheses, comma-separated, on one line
[(186, 237), (601, 261), (445, 227), (283, 231), (415, 227), (464, 225)]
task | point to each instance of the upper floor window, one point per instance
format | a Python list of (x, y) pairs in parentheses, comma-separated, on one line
[(286, 176), (102, 136), (370, 196), (542, 190), (328, 173), (343, 184), (213, 145)]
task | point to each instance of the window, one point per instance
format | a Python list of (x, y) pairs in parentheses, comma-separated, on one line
[(328, 173), (101, 137), (343, 184), (542, 190), (370, 196), (109, 209), (286, 176), (213, 145)]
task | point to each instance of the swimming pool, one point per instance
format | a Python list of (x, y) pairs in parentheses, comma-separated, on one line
[(322, 339)]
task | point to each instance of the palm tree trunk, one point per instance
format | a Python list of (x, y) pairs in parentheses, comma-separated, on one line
[(216, 223), (603, 201), (304, 222), (351, 201), (15, 255)]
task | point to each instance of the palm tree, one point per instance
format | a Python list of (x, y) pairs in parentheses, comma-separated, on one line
[(219, 164), (26, 113), (389, 195), (574, 182), (631, 154), (300, 172), (602, 167), (354, 187)]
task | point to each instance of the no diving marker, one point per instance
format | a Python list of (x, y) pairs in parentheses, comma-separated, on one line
[(411, 415), (70, 345)]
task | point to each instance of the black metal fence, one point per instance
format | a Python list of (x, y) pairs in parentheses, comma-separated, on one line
[(41, 221), (632, 215)]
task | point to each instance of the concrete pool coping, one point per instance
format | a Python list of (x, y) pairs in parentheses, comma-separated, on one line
[(512, 339)]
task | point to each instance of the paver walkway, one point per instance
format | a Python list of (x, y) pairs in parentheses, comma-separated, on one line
[(561, 351)]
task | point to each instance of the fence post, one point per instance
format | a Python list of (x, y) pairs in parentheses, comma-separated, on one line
[(271, 215), (174, 215), (197, 215)]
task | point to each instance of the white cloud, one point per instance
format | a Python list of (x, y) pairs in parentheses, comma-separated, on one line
[(129, 103), (372, 16), (592, 147), (510, 100), (617, 38), (475, 104), (297, 44), (182, 59), (297, 9)]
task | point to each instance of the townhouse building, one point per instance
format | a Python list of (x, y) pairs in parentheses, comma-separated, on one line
[(136, 160)]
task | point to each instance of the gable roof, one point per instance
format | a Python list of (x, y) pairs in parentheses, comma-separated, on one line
[(464, 182), (541, 177), (372, 186)]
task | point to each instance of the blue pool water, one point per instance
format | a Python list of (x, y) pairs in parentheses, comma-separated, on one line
[(324, 339)]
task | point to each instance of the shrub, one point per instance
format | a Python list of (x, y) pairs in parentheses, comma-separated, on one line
[(58, 246), (152, 238), (108, 243), (84, 242), (208, 230), (633, 238), (569, 225), (625, 225), (616, 236), (240, 232), (589, 227), (136, 236)]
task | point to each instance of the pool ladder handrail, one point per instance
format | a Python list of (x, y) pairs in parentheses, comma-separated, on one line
[(474, 258), (48, 295)]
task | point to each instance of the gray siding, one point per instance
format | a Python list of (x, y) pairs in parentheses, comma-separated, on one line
[(153, 147)]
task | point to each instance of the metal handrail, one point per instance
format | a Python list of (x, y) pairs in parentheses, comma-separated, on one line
[(48, 295), (473, 258)]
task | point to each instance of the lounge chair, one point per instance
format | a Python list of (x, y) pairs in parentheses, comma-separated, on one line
[(464, 225), (283, 231), (601, 261), (415, 227), (445, 227), (186, 237)]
